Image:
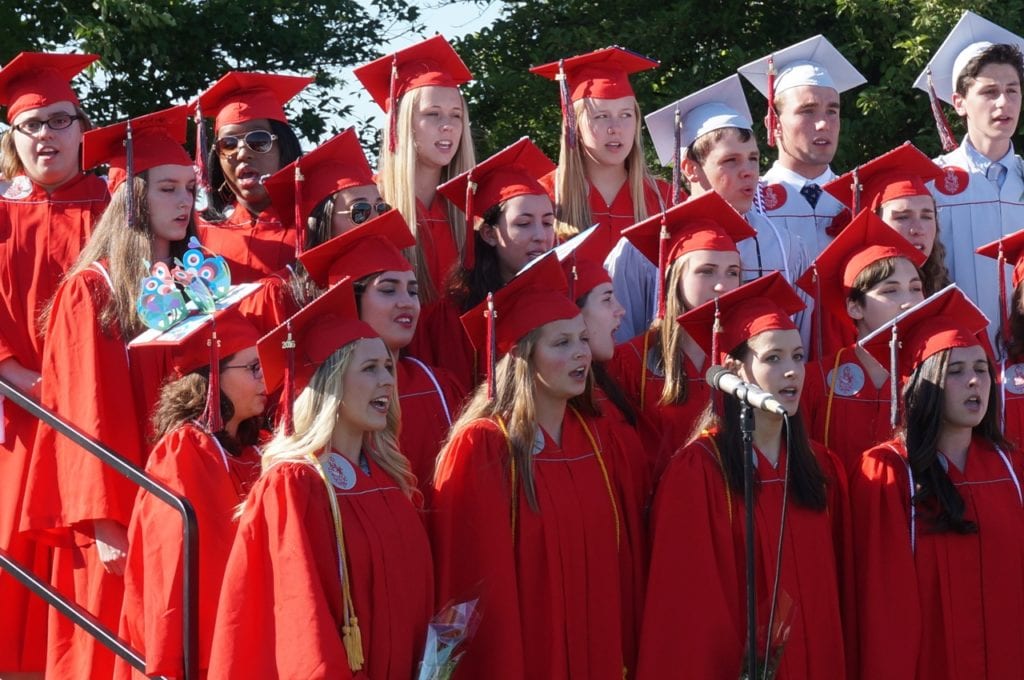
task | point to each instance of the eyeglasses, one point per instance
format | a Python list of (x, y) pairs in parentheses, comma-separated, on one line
[(363, 210), (60, 121), (260, 141), (255, 368)]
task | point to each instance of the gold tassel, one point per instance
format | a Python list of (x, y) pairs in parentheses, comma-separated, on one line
[(353, 641)]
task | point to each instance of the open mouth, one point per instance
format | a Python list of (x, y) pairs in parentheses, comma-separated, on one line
[(973, 403), (380, 404), (445, 145), (404, 320), (248, 178), (578, 373), (789, 392), (47, 152)]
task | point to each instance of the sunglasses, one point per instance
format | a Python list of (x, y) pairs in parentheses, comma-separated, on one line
[(255, 368), (260, 141), (363, 210)]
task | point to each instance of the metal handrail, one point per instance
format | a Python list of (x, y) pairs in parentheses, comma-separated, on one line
[(81, 617)]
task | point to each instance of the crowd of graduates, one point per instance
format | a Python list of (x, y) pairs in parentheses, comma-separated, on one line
[(451, 381)]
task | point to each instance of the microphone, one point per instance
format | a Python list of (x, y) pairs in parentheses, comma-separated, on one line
[(721, 379)]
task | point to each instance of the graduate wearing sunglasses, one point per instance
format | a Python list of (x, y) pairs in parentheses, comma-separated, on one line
[(252, 139)]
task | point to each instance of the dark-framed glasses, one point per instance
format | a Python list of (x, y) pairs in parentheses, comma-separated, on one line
[(260, 141), (254, 367), (361, 211), (59, 121)]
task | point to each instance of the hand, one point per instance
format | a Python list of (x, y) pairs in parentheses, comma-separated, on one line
[(112, 545), (24, 379)]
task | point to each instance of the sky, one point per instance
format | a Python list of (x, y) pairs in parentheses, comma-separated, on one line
[(452, 20)]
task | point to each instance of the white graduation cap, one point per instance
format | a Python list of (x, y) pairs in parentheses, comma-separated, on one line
[(970, 37), (717, 106), (814, 61)]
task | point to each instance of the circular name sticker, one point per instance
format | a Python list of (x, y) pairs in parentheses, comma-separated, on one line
[(1013, 379), (19, 187), (340, 471), (849, 381)]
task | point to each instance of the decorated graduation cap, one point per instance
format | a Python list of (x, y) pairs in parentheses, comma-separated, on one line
[(292, 352), (536, 296), (1006, 250), (136, 145), (35, 79), (945, 320), (296, 189), (722, 324), (241, 96), (601, 74), (514, 171), (374, 246), (677, 126), (582, 258), (971, 36), (866, 240), (431, 62), (898, 173), (704, 223), (814, 61)]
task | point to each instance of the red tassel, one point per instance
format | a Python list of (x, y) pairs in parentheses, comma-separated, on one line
[(773, 117), (945, 132), (300, 228), (662, 266), (568, 115), (1004, 317), (288, 417), (393, 105), (200, 162), (211, 415), (677, 160), (469, 252), (492, 341)]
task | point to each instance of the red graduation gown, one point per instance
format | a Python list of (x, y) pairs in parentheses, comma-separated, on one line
[(951, 607), (88, 380), (859, 417), (192, 463), (430, 399), (279, 614), (619, 213), (436, 242), (253, 246), (41, 236), (1012, 388), (549, 589), (662, 429), (272, 303), (441, 341), (695, 615)]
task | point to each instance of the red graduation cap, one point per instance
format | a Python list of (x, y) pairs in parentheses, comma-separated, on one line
[(944, 320), (601, 74), (291, 353), (239, 97), (898, 173), (514, 171), (1007, 250), (704, 223), (374, 246), (582, 258), (35, 79), (157, 139), (864, 241), (536, 296), (431, 62), (334, 165), (764, 304)]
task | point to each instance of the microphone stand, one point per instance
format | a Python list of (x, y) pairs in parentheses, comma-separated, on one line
[(747, 431)]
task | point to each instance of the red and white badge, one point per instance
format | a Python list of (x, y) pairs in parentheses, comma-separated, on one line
[(773, 196), (954, 180), (848, 381), (18, 188), (340, 471), (1013, 379)]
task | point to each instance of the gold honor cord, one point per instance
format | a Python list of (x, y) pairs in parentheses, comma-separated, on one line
[(350, 634), (831, 394)]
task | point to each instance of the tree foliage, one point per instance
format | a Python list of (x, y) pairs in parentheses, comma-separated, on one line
[(154, 53), (701, 41)]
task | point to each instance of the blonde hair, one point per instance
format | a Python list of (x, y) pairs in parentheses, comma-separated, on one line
[(514, 403), (125, 251), (10, 162), (669, 336), (316, 415), (397, 181), (572, 191)]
